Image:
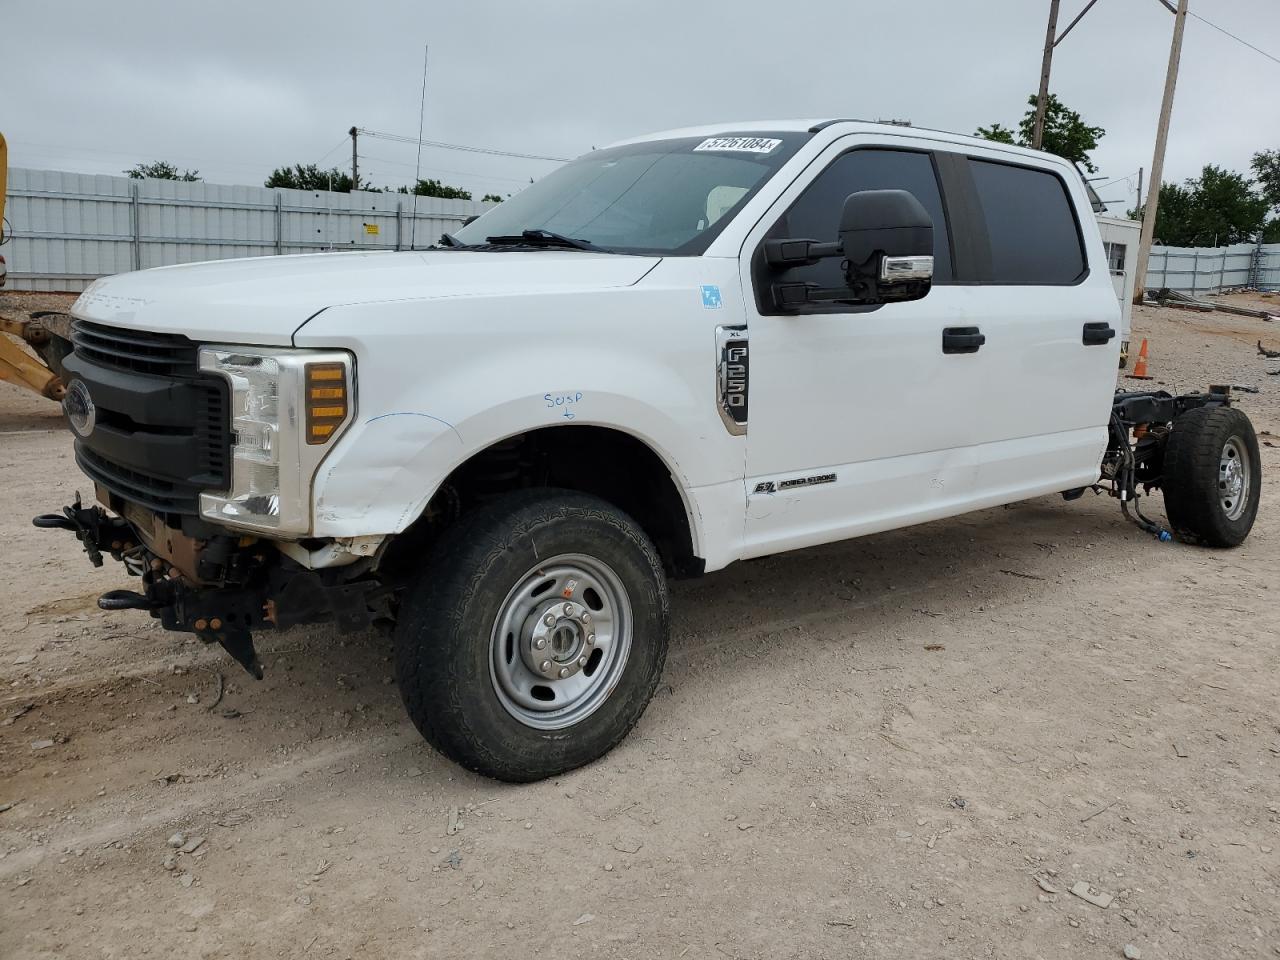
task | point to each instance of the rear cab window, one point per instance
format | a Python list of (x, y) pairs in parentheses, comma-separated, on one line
[(1030, 224)]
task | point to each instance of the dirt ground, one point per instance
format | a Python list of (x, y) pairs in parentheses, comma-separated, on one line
[(910, 745)]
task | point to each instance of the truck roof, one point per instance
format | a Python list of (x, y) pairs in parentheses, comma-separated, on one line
[(846, 125)]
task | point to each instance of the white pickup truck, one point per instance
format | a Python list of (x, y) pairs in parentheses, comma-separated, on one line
[(681, 351)]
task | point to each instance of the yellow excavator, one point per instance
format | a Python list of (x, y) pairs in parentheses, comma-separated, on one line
[(47, 333)]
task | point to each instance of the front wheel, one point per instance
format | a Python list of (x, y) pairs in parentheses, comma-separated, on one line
[(533, 640), (1212, 476)]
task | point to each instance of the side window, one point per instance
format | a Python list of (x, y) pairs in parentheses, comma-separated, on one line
[(1115, 256), (1030, 223), (816, 213)]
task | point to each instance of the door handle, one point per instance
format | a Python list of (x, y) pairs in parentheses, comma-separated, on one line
[(962, 339), (1095, 333)]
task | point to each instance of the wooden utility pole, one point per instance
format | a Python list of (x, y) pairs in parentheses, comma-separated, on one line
[(355, 160), (1157, 162), (1137, 207), (1050, 41)]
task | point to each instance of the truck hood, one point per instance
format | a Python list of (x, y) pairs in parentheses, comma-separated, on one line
[(264, 300)]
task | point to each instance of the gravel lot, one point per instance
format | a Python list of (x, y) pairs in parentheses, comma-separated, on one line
[(910, 745)]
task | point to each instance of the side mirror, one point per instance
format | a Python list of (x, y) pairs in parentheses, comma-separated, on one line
[(886, 244), (886, 238)]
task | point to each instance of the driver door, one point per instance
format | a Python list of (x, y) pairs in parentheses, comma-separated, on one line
[(858, 417)]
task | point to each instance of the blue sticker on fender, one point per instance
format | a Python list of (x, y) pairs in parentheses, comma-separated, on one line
[(711, 297)]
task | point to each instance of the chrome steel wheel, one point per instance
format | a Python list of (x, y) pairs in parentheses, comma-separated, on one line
[(1233, 478), (560, 641)]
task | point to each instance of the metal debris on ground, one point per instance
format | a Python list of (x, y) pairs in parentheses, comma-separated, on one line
[(18, 714), (1086, 893), (217, 697), (1172, 298), (1024, 576), (1100, 810)]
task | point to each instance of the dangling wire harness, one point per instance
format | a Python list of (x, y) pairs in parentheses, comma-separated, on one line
[(1125, 486)]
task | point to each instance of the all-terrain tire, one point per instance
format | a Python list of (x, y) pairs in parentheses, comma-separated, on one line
[(448, 635), (1202, 489)]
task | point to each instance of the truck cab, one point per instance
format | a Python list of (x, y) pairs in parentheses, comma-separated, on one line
[(678, 352)]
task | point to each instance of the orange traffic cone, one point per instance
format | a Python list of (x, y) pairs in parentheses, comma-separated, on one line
[(1140, 368)]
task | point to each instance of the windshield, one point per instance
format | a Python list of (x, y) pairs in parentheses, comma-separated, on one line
[(661, 196)]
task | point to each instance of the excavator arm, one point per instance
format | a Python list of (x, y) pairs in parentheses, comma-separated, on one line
[(47, 334), (17, 366)]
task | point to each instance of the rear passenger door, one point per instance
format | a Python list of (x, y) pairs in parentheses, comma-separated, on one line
[(1024, 238)]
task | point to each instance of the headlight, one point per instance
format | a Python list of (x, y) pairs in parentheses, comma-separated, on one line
[(287, 409)]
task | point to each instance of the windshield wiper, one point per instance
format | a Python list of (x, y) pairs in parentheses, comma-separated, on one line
[(545, 238)]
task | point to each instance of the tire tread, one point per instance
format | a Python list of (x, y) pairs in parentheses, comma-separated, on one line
[(1191, 463), (432, 677)]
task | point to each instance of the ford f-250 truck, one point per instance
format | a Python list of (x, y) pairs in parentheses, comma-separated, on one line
[(684, 350)]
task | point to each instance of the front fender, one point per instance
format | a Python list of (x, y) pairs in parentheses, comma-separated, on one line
[(427, 401)]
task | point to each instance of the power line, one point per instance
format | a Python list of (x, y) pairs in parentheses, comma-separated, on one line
[(1228, 33), (328, 152), (1103, 186), (467, 174), (400, 138)]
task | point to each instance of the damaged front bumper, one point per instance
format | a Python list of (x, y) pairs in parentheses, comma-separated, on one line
[(221, 587)]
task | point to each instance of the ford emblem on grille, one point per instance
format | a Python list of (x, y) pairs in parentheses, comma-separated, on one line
[(79, 408)]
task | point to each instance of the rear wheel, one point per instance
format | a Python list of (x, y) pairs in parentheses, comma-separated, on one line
[(535, 637), (1212, 476)]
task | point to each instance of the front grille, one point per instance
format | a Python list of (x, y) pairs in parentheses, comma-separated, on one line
[(155, 493), (161, 354), (163, 429), (214, 432)]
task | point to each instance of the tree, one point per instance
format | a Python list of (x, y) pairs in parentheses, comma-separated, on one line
[(1266, 166), (434, 188), (161, 170), (1217, 208), (491, 198), (310, 177), (1065, 132), (997, 132)]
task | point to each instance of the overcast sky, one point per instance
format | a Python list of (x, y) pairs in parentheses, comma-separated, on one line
[(234, 88)]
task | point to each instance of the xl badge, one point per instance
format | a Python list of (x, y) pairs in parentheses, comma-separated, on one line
[(79, 408)]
